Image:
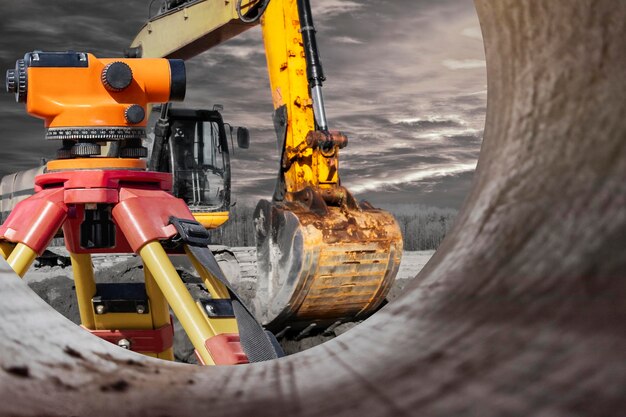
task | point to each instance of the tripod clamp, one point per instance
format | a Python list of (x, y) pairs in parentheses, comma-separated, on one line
[(190, 232)]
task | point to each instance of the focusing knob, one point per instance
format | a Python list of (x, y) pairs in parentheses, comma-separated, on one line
[(11, 81), (134, 114), (16, 81), (117, 76)]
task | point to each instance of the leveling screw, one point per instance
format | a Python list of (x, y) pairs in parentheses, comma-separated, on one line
[(211, 310), (124, 344)]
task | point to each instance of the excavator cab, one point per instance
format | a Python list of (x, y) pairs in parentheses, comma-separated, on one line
[(193, 146)]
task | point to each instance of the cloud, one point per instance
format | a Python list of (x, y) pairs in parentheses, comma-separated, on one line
[(430, 122), (372, 184), (327, 8), (446, 191), (456, 64), (473, 32), (346, 40)]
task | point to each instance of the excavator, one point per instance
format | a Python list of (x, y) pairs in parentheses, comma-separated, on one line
[(323, 258)]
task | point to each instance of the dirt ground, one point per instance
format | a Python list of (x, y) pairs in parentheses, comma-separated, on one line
[(56, 286)]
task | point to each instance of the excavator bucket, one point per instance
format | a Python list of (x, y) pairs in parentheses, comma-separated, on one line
[(319, 265)]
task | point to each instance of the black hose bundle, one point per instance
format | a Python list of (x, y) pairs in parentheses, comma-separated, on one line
[(255, 12)]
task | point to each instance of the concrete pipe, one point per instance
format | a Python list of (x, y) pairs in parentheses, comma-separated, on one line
[(520, 312)]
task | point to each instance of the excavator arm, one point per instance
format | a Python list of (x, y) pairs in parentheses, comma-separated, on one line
[(184, 29), (323, 258)]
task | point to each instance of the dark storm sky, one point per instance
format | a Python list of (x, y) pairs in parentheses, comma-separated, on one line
[(406, 82)]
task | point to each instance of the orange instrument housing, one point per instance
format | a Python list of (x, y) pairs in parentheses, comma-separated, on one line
[(78, 90)]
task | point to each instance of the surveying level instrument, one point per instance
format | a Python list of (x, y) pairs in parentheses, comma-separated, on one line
[(113, 204)]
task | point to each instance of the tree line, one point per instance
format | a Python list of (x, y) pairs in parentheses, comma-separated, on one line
[(422, 227)]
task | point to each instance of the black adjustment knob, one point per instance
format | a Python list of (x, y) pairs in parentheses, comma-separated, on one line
[(117, 76), (85, 149), (64, 153), (134, 152), (134, 114), (16, 81), (11, 82)]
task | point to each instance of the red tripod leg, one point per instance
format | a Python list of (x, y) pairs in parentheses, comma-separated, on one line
[(32, 225)]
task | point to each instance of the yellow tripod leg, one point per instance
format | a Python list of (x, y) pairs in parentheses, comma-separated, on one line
[(5, 249), (159, 309), (175, 292), (85, 285), (21, 259), (218, 291)]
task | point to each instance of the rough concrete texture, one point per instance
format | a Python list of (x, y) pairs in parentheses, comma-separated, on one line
[(520, 312)]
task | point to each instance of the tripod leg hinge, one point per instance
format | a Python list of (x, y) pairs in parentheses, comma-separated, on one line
[(143, 216), (35, 221), (142, 341)]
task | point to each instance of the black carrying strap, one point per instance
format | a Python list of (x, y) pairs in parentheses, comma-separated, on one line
[(257, 344)]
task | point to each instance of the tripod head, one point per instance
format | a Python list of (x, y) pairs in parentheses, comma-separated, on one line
[(86, 101)]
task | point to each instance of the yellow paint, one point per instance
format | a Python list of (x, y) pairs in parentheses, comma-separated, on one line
[(5, 249), (159, 309), (174, 290), (85, 285), (211, 220), (21, 259), (123, 321)]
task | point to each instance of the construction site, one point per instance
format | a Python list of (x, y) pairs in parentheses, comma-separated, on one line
[(119, 294)]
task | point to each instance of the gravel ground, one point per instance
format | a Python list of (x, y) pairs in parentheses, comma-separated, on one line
[(56, 286)]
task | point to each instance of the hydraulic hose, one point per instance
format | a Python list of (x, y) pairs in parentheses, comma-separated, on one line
[(260, 10), (315, 72)]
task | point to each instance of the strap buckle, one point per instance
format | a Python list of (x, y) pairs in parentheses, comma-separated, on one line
[(191, 232)]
